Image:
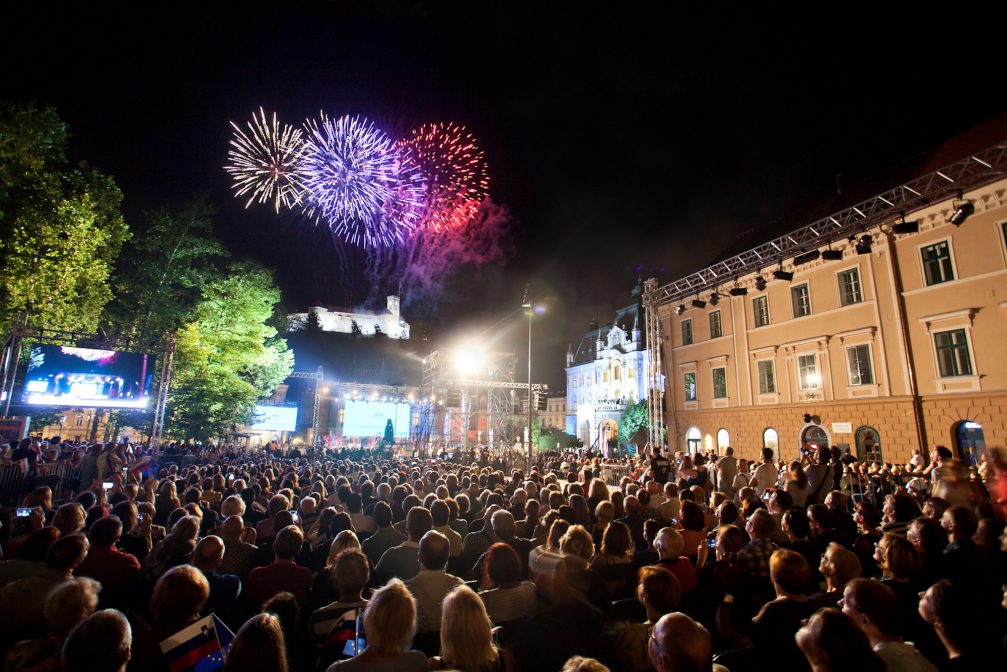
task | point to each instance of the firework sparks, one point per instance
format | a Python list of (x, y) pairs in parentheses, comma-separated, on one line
[(264, 162), (455, 172)]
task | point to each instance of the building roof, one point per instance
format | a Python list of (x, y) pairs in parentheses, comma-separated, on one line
[(628, 319)]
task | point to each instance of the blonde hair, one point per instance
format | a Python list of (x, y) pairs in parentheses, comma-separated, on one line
[(578, 542), (598, 489), (466, 632), (390, 619), (344, 541), (71, 602)]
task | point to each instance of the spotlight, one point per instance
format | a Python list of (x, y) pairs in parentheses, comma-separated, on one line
[(760, 283), (698, 303), (864, 244), (832, 255), (783, 275), (807, 257), (680, 309), (739, 291), (714, 299), (807, 417), (964, 211)]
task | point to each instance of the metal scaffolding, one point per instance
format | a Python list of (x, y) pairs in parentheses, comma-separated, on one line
[(655, 378)]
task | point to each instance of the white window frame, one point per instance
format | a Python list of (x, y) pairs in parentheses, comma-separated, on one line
[(695, 384), (968, 346), (870, 362), (923, 266), (755, 312), (818, 369), (839, 286), (807, 288)]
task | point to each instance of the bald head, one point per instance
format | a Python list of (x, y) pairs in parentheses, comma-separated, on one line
[(232, 527), (680, 644), (434, 550), (208, 554)]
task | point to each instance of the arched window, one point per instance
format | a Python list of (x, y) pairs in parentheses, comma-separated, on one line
[(771, 439), (693, 440), (970, 441), (868, 444), (723, 439)]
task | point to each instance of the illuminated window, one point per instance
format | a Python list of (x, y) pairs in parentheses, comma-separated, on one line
[(937, 263), (686, 332), (807, 367), (953, 353), (690, 386), (720, 383), (723, 439), (767, 377), (849, 287), (800, 298), (760, 308), (79, 421), (858, 360), (715, 328), (771, 440)]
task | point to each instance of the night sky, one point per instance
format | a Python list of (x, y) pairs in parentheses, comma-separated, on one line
[(619, 138)]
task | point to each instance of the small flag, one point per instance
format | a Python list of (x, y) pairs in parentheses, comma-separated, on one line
[(201, 647)]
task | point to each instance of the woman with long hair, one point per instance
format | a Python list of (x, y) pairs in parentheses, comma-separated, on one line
[(796, 484), (259, 645), (467, 636)]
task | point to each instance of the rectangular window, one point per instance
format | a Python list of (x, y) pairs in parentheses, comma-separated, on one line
[(686, 332), (767, 377), (953, 353), (937, 263), (720, 383), (858, 360), (760, 308), (800, 298), (849, 287), (807, 371), (690, 386), (715, 328), (78, 421)]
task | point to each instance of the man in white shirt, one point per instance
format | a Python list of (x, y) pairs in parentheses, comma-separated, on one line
[(766, 475), (433, 583), (727, 469), (876, 609)]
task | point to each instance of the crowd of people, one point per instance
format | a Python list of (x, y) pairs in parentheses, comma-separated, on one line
[(352, 560)]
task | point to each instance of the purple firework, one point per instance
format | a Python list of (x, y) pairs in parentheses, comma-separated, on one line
[(369, 191)]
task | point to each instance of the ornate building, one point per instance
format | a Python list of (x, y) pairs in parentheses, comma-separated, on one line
[(389, 322), (606, 374)]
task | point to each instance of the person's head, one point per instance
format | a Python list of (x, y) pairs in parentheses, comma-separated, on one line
[(390, 619), (669, 543), (839, 565), (577, 542), (761, 524), (502, 565), (105, 531), (617, 541), (693, 517), (67, 552), (558, 528), (789, 572), (767, 455), (418, 523), (352, 572), (948, 607), (466, 632), (831, 641), (582, 664), (258, 645), (208, 554), (37, 544), (287, 543), (897, 557), (434, 551), (795, 524), (503, 525), (69, 518), (101, 643), (440, 514), (960, 522), (935, 507), (178, 597), (874, 607), (658, 590), (680, 644), (382, 513), (69, 603)]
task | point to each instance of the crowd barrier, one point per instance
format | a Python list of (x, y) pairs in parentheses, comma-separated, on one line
[(61, 478)]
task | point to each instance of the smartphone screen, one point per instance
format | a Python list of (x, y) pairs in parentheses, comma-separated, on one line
[(139, 517), (107, 485), (711, 543), (23, 511)]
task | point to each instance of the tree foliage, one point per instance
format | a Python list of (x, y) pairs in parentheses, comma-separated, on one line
[(61, 228), (228, 355), (634, 418)]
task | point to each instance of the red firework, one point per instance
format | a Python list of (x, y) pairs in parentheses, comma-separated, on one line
[(455, 171)]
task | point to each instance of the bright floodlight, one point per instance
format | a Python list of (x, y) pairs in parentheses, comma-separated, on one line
[(469, 358)]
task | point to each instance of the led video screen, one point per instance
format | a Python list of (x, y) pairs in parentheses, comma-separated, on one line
[(65, 376), (368, 418), (276, 418)]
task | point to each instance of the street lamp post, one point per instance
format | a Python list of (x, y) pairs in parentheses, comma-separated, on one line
[(526, 304)]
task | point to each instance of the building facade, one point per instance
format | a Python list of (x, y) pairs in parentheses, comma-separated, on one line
[(891, 342), (554, 415), (388, 322), (607, 373)]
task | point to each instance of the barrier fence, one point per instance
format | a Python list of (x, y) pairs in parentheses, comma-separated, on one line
[(61, 478)]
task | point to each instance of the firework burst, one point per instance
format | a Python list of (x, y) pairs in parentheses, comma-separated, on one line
[(369, 191), (264, 162), (455, 172)]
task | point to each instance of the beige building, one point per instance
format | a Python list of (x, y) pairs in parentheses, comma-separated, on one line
[(894, 340), (554, 415)]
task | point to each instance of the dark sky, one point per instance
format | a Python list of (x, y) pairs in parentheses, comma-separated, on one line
[(618, 137)]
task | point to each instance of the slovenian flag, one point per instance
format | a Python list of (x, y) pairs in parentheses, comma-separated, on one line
[(201, 647)]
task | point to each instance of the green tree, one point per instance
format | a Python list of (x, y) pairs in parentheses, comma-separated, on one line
[(634, 418), (61, 228), (228, 356)]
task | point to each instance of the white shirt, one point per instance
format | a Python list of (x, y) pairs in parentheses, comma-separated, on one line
[(902, 657), (764, 478)]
